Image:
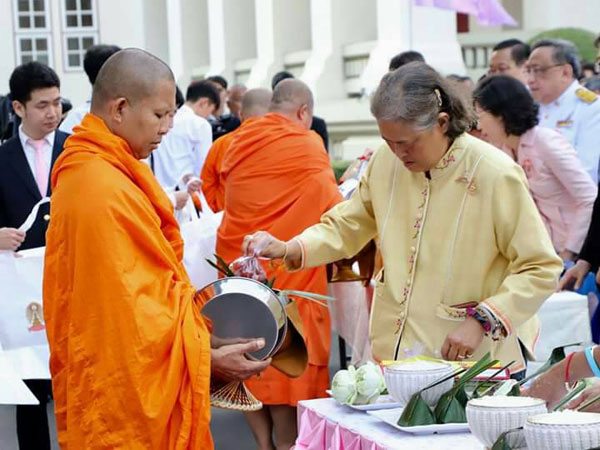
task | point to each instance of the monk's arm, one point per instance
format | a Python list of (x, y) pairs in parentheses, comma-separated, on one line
[(522, 238)]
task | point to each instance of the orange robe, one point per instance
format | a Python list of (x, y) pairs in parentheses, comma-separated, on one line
[(130, 352), (279, 179), (212, 187)]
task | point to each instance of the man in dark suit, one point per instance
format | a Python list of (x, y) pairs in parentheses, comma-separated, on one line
[(25, 165), (318, 125)]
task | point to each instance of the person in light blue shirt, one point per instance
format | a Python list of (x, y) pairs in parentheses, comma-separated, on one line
[(574, 111)]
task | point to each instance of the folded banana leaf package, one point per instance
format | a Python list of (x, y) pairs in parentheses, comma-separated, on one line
[(417, 412), (451, 406)]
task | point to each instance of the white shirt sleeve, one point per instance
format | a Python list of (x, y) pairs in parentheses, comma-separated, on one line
[(202, 145)]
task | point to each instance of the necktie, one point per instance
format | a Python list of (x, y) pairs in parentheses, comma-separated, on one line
[(41, 168)]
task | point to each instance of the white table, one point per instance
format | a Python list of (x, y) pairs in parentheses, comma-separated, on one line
[(323, 424)]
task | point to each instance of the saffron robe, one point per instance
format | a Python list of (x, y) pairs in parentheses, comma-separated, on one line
[(130, 352), (278, 178)]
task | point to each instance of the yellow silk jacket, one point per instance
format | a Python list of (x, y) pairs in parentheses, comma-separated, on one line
[(469, 232)]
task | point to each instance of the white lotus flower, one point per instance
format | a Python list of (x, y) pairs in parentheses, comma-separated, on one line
[(369, 383), (343, 385)]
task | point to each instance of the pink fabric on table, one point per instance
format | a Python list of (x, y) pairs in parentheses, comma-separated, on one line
[(311, 435), (561, 188)]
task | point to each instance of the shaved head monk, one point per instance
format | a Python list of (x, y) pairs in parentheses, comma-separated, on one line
[(278, 178), (131, 356), (255, 103)]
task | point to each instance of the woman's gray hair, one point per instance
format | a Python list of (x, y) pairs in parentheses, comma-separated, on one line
[(416, 93), (564, 52)]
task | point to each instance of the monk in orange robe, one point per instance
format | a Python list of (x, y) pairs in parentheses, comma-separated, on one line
[(131, 356), (278, 178), (255, 103)]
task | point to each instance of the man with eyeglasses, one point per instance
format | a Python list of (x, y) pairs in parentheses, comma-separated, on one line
[(509, 58), (553, 69)]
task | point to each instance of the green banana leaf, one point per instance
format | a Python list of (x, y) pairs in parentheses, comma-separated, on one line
[(515, 391), (557, 355), (451, 406), (502, 441), (488, 384), (416, 412), (580, 386), (450, 409)]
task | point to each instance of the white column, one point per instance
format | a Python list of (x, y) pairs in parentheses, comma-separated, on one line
[(216, 35), (175, 37), (321, 40), (265, 43)]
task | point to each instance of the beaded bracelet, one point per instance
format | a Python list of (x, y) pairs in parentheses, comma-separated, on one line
[(589, 356)]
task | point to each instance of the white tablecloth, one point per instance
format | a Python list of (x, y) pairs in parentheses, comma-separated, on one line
[(565, 319), (331, 426)]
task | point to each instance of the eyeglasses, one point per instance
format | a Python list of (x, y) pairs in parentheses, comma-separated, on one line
[(538, 72)]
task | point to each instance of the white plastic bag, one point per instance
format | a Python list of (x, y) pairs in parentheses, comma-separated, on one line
[(350, 318), (199, 243), (22, 328)]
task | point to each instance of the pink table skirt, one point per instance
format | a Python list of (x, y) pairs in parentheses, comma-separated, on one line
[(323, 424)]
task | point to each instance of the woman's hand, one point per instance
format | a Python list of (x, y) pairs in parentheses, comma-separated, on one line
[(264, 245), (575, 275), (464, 341), (586, 395), (11, 239), (549, 386)]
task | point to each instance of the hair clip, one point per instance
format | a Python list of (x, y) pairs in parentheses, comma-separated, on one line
[(439, 97)]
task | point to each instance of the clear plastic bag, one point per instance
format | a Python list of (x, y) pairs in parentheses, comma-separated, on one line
[(249, 267)]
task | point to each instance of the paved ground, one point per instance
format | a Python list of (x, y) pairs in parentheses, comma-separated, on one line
[(230, 431)]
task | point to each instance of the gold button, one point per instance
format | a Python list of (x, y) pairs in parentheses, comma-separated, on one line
[(47, 217), (402, 315), (420, 215), (413, 249)]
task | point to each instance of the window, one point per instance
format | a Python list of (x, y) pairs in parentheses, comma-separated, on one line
[(80, 26), (32, 31)]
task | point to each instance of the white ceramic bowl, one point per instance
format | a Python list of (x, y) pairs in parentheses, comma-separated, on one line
[(489, 417), (564, 430), (405, 379)]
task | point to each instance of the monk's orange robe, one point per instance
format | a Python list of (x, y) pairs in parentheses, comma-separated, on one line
[(279, 179), (213, 189), (130, 352)]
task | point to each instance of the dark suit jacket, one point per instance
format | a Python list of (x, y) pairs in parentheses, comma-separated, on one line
[(19, 191), (319, 126), (591, 247)]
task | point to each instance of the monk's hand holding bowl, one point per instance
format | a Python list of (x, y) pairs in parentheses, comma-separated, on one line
[(464, 341), (229, 361)]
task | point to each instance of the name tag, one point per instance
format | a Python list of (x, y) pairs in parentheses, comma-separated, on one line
[(564, 123)]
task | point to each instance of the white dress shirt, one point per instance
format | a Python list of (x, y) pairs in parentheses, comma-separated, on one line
[(183, 149), (75, 116), (30, 150)]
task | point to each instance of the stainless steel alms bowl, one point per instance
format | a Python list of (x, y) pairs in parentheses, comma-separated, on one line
[(244, 308)]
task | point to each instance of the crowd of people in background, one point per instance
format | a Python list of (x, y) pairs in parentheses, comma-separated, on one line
[(538, 105)]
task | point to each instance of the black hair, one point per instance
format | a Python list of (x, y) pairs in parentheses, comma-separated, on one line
[(279, 77), (28, 77), (179, 99), (95, 57), (508, 98), (593, 83), (404, 58), (219, 80), (519, 50), (203, 89), (458, 78)]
